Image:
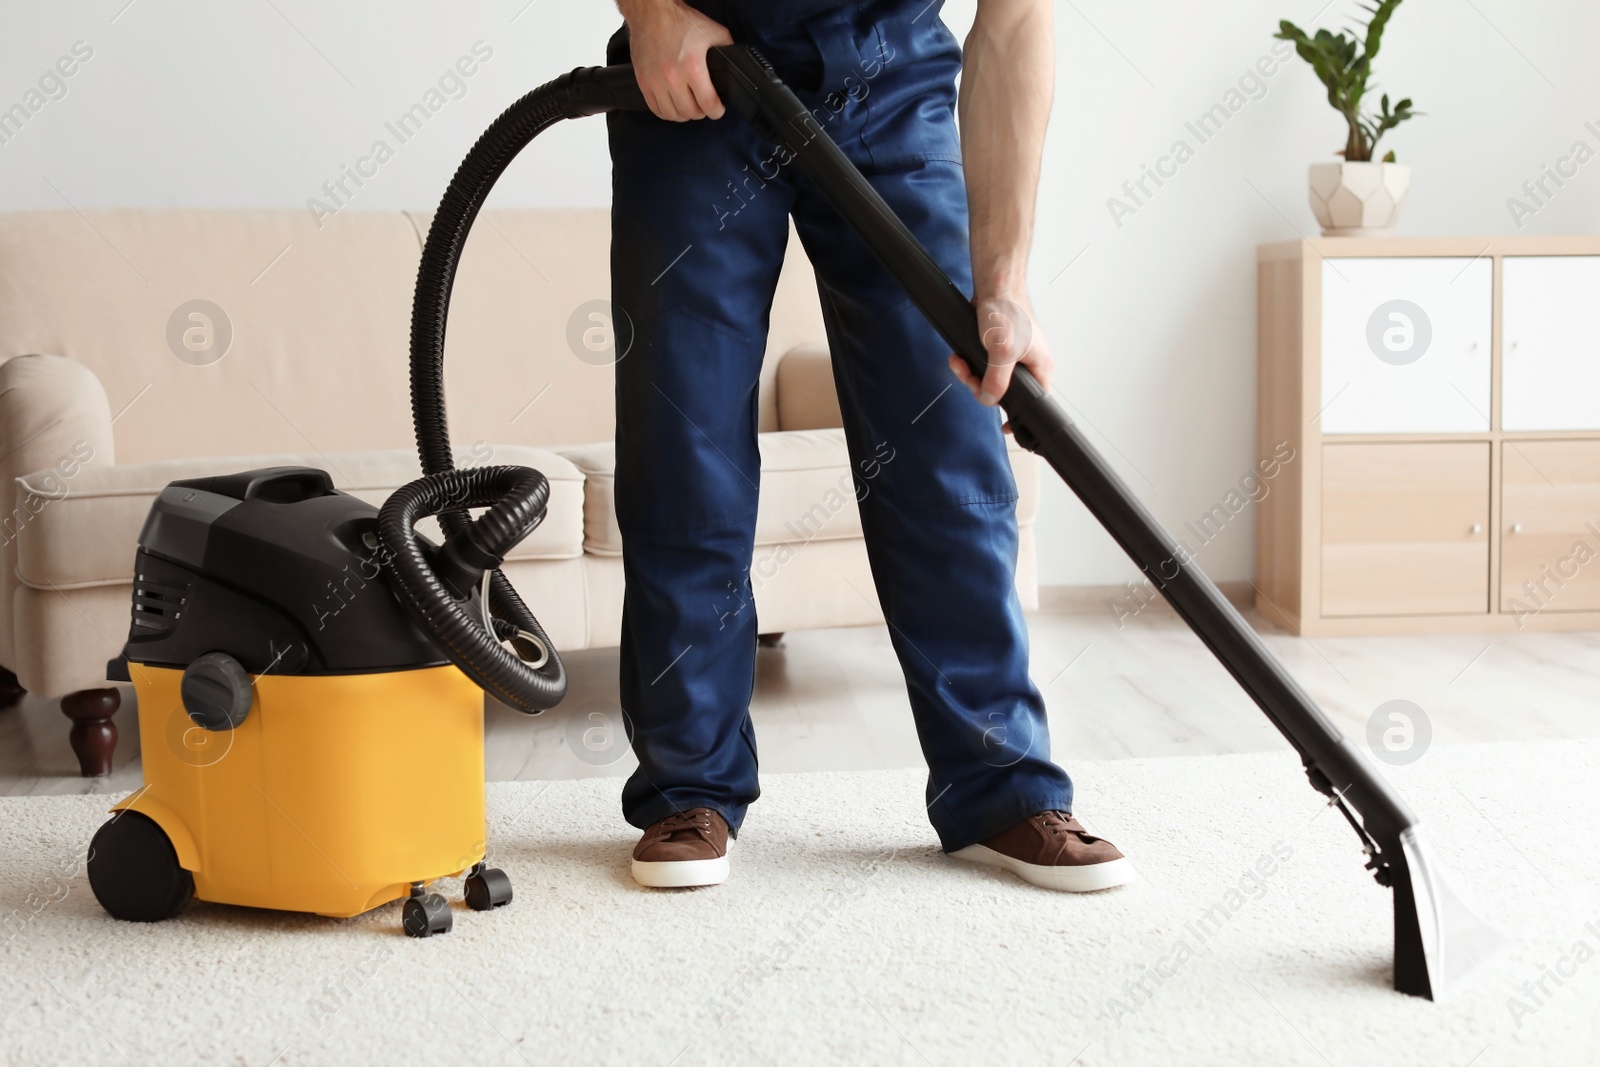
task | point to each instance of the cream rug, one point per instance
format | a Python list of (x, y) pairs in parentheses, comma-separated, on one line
[(845, 936)]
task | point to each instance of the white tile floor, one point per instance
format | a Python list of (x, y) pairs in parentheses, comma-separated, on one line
[(834, 700)]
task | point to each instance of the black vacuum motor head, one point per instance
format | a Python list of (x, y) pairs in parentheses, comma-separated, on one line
[(274, 567)]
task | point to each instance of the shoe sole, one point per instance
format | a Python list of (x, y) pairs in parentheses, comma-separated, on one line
[(681, 874), (1088, 878)]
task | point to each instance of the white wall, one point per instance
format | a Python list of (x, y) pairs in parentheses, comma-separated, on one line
[(258, 102)]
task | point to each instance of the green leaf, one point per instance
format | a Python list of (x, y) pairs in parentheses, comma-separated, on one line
[(1389, 156), (1344, 66), (1381, 14)]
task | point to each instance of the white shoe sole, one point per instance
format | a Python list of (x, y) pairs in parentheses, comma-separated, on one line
[(681, 874), (1088, 878)]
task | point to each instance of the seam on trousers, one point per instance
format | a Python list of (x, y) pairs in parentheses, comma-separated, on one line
[(970, 502), (910, 161), (644, 531)]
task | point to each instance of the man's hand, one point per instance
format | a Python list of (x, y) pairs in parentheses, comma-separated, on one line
[(1010, 336), (669, 40)]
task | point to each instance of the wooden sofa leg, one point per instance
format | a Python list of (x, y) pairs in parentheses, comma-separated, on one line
[(11, 690), (94, 735)]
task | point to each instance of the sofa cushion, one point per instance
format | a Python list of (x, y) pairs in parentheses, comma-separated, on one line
[(533, 290), (807, 399), (316, 312), (83, 531), (305, 338), (806, 490)]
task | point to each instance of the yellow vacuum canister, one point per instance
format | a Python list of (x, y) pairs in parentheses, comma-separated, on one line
[(310, 675)]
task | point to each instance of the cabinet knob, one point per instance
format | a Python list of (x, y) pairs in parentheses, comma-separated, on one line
[(1516, 527), (1477, 527)]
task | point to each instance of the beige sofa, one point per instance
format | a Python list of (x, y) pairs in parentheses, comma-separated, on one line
[(107, 393)]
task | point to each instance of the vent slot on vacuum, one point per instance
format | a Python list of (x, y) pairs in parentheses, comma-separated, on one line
[(157, 607)]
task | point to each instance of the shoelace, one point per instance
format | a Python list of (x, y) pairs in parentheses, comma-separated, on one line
[(1060, 822), (1057, 823), (700, 822)]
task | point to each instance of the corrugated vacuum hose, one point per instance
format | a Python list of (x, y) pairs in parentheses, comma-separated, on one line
[(439, 590), (528, 675)]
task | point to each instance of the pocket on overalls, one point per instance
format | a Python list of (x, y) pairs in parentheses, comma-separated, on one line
[(888, 84)]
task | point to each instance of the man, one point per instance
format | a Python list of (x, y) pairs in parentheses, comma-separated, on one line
[(700, 220)]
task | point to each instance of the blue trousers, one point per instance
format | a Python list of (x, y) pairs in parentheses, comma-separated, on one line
[(700, 216)]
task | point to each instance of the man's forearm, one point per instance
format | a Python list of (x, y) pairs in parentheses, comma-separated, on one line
[(1006, 90), (633, 9)]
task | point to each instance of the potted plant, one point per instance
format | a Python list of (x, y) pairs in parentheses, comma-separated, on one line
[(1358, 197)]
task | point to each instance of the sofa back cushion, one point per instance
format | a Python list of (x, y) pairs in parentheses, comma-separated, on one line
[(530, 336), (317, 355), (319, 317)]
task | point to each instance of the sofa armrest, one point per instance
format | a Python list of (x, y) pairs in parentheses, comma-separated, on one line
[(54, 421), (806, 396)]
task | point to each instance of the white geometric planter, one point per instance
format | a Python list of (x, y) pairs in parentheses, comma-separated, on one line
[(1358, 199)]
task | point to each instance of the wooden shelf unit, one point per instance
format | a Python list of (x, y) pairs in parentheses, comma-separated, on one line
[(1409, 506)]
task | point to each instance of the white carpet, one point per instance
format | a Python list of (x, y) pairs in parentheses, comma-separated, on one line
[(845, 936)]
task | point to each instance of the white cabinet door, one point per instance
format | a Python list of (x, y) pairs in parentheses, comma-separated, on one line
[(1551, 367), (1405, 345)]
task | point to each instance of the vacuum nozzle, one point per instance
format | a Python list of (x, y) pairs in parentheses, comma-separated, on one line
[(1438, 936)]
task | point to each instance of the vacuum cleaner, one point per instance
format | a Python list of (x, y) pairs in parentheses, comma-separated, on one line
[(310, 674), (336, 707)]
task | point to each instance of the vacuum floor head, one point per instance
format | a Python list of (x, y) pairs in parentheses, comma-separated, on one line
[(1439, 938)]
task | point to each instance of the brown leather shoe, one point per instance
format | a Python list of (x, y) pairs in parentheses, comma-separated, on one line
[(1053, 850), (686, 849)]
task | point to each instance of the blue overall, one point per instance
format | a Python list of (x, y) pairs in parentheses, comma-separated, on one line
[(700, 216)]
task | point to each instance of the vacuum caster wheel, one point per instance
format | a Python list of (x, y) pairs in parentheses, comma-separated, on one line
[(134, 871), (426, 914), (487, 888)]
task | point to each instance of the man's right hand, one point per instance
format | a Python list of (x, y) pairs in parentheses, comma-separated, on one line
[(669, 40)]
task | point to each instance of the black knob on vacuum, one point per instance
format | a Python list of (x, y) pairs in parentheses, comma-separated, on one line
[(217, 692)]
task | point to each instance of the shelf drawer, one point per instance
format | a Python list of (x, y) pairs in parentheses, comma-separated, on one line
[(1405, 528), (1406, 345), (1550, 514)]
